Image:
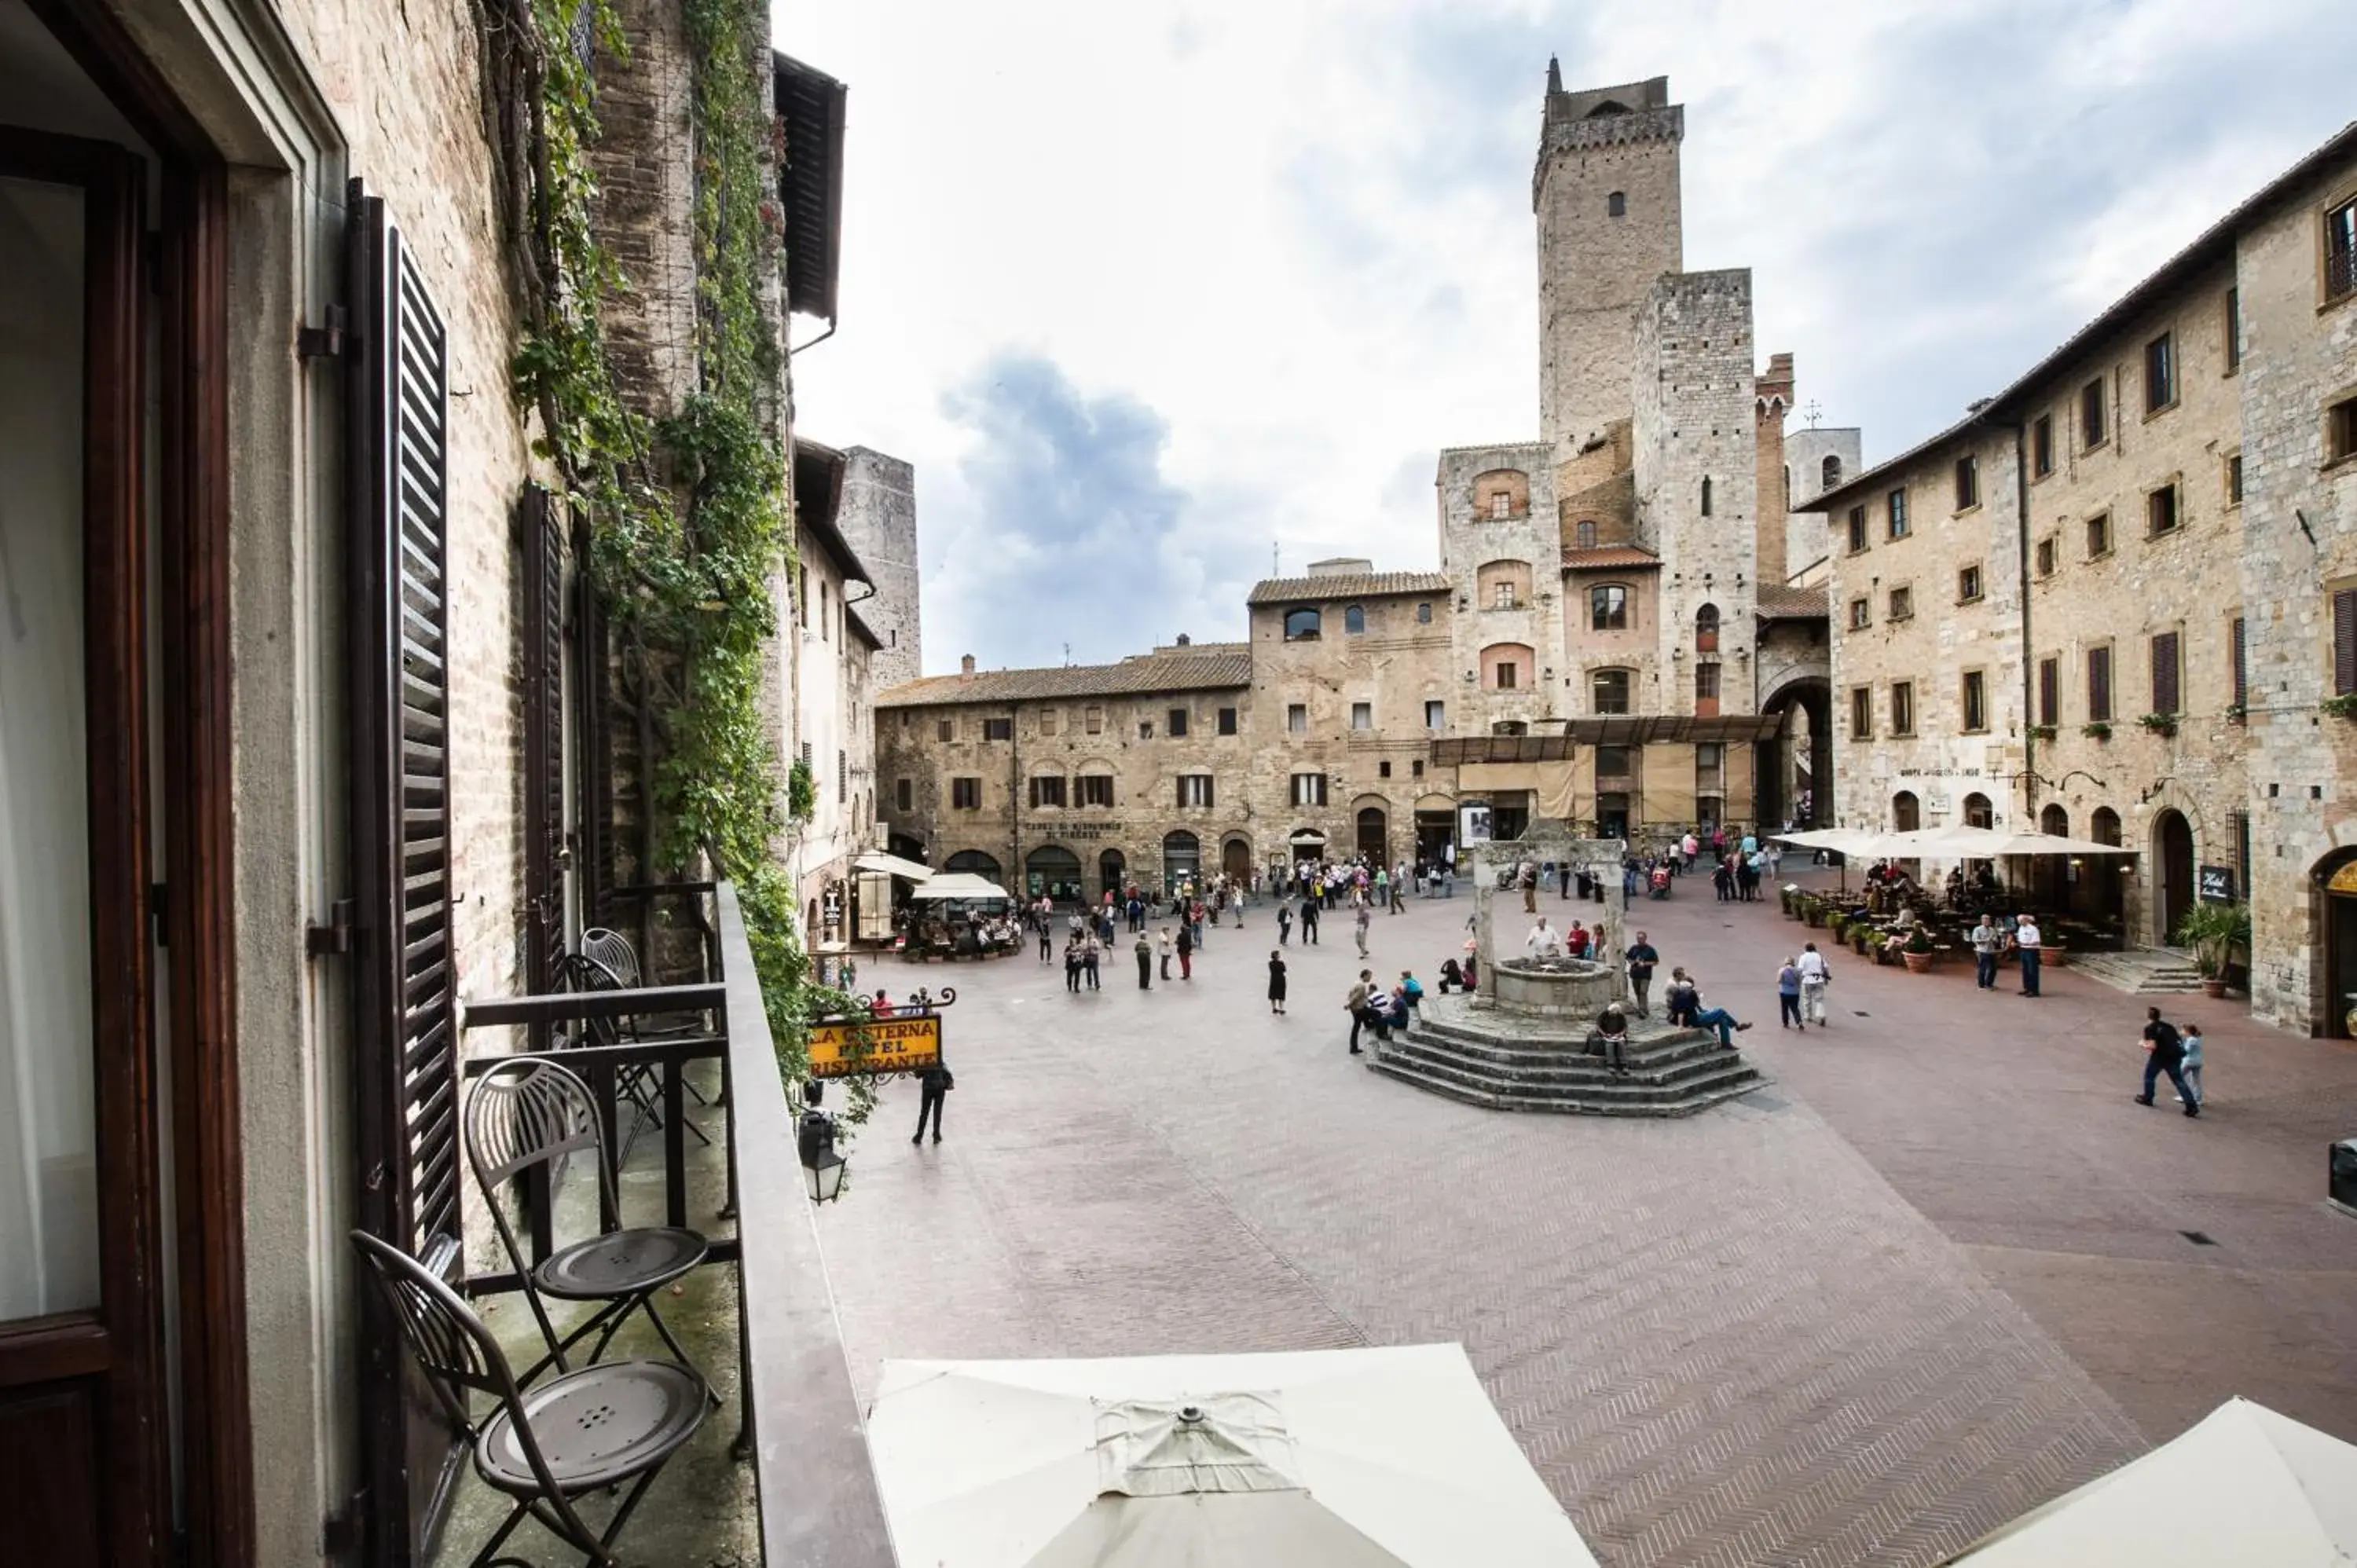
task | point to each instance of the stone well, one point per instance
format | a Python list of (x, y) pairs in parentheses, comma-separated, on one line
[(1567, 989)]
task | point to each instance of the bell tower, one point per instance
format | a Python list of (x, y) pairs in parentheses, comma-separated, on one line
[(1604, 191)]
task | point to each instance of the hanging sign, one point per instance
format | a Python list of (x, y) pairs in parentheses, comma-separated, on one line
[(874, 1046), (2217, 884)]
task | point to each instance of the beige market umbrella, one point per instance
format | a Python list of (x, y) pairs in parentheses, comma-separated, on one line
[(1377, 1458), (956, 885), (2243, 1485)]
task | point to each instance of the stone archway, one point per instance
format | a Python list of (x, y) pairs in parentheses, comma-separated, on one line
[(2333, 931), (1906, 812), (1236, 858), (1113, 872), (1374, 835), (2172, 861), (1795, 767)]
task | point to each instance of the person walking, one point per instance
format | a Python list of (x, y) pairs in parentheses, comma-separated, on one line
[(1788, 997), (1163, 942), (1047, 938), (1641, 957), (1186, 953), (2168, 1056), (1283, 924), (933, 1086), (1986, 939), (1361, 1005), (2030, 945), (1309, 921), (1399, 893), (1092, 958), (1275, 981), (1814, 976), (1448, 881), (1360, 922), (1144, 947), (2192, 1066), (1612, 1038)]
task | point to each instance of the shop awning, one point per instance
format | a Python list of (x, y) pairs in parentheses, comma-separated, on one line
[(892, 864)]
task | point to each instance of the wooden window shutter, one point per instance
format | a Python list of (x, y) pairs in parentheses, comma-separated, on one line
[(2050, 691), (405, 1042), (2344, 642), (2242, 666), (541, 621), (2164, 673), (2099, 684)]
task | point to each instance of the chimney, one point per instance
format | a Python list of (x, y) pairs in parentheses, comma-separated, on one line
[(1184, 640), (965, 665)]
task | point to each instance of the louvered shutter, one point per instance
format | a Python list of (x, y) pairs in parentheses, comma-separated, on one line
[(2242, 668), (2164, 673), (2099, 684), (405, 1044), (2344, 642), (542, 623), (2050, 691)]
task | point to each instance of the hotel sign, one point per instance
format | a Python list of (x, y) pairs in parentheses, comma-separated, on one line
[(908, 1044)]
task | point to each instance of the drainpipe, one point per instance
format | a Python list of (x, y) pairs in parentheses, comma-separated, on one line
[(1015, 806), (2020, 430)]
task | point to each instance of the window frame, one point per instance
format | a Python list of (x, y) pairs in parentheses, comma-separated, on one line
[(2160, 364), (904, 795), (2094, 432), (1085, 786), (1902, 708), (997, 729), (1365, 711), (1972, 691), (2042, 446), (1297, 718), (1194, 791), (1861, 614), (1896, 523), (1354, 620), (1175, 722), (1315, 631), (965, 793), (1507, 673), (1618, 620), (2176, 509), (1628, 690), (2046, 556), (2050, 691), (2340, 430), (1861, 713), (1972, 584), (1310, 785), (1226, 722), (1583, 535), (1434, 721), (1040, 786), (2096, 524), (1859, 542), (1899, 603), (2231, 308), (2103, 705), (1968, 483), (2165, 669), (2336, 264), (2341, 602), (1424, 612)]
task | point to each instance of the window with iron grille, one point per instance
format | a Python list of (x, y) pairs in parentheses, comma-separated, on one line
[(1194, 788), (2050, 692), (966, 794), (2093, 431), (2165, 673), (2099, 685), (2161, 372), (2344, 642), (1048, 789), (2042, 446), (1861, 713), (1094, 789), (1975, 701), (999, 729), (2235, 653)]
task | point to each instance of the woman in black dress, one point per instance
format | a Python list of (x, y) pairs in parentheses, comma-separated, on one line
[(1275, 981)]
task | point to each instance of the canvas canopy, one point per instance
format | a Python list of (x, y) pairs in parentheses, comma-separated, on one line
[(1375, 1458), (892, 865), (958, 885), (2245, 1485)]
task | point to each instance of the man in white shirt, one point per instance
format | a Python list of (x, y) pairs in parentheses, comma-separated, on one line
[(1814, 976), (1543, 941), (2029, 944)]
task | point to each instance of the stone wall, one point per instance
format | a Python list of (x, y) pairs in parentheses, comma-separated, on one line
[(878, 516), (1807, 539), (1470, 539), (1698, 476)]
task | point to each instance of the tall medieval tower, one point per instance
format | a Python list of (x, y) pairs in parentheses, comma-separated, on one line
[(1606, 194)]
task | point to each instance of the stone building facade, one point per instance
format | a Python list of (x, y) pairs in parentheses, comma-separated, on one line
[(878, 518), (2116, 600)]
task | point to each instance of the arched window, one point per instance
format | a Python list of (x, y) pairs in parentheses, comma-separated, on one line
[(1707, 629), (1617, 205), (1608, 608), (1906, 812), (1583, 536), (2105, 826), (1354, 620), (973, 862), (1502, 585), (2054, 819), (1705, 497), (1978, 811), (1053, 871), (1507, 667), (1301, 626), (1831, 469), (1608, 692)]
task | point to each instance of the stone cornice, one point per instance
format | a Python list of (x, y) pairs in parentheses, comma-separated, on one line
[(1666, 124)]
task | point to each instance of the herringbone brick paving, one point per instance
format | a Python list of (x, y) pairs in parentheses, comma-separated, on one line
[(1725, 1340)]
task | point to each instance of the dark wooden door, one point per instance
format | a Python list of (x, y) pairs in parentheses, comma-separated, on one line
[(81, 1363), (404, 1039), (2173, 837)]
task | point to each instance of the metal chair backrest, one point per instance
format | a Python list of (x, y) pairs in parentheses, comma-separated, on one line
[(528, 1112), (612, 949), (584, 972), (457, 1352)]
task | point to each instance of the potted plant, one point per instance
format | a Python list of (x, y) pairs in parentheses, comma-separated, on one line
[(1861, 938), (2096, 730), (1837, 922), (2340, 707), (2162, 725), (2041, 732), (1917, 953), (2215, 932), (1814, 912), (2237, 713)]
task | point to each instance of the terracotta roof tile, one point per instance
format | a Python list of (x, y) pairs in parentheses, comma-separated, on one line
[(1193, 670), (1346, 585), (1777, 602), (1625, 557)]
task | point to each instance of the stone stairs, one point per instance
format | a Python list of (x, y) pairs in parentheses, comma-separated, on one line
[(1459, 1052), (2141, 971)]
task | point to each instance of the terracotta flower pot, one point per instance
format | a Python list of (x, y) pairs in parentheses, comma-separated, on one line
[(1917, 963), (2214, 989)]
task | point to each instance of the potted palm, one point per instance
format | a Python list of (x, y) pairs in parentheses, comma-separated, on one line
[(1835, 921), (2215, 932), (1917, 954)]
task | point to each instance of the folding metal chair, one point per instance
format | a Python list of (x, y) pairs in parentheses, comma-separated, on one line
[(528, 1112), (585, 1432), (608, 961)]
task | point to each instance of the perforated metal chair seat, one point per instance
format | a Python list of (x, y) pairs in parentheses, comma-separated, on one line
[(620, 1263), (595, 1427)]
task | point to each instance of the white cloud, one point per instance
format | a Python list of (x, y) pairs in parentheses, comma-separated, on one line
[(1296, 239)]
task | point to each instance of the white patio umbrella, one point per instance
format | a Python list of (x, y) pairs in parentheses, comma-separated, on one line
[(957, 884), (2056, 844), (1379, 1458), (892, 864), (1840, 841), (2243, 1485)]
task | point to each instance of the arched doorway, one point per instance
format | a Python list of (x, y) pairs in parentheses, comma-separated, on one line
[(1978, 811), (1906, 813), (1306, 844), (1113, 874), (2050, 875), (972, 863), (2099, 879), (1236, 858), (1374, 835), (1182, 860), (2172, 857), (1054, 872), (1436, 828), (1792, 771), (2336, 891)]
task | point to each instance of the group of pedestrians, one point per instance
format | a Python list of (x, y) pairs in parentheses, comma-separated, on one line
[(1994, 938)]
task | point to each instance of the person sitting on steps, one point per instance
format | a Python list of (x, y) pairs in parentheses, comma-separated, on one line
[(1612, 1038)]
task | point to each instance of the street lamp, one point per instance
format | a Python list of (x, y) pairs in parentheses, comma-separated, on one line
[(822, 1166)]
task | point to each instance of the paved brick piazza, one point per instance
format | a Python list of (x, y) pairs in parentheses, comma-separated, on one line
[(1932, 1275)]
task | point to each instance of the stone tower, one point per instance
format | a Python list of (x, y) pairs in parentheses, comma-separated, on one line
[(1606, 193), (878, 517)]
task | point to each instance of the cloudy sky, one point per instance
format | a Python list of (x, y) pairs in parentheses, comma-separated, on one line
[(1155, 294)]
